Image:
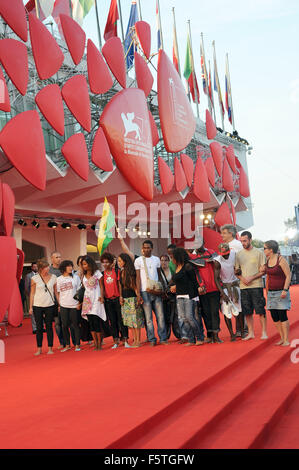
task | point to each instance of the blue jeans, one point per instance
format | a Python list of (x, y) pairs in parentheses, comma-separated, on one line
[(153, 303), (187, 313)]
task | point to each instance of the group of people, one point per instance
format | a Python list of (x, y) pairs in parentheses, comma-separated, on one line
[(185, 289)]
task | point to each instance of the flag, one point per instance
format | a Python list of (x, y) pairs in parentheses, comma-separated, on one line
[(159, 31), (217, 84), (31, 8), (129, 45), (61, 7), (228, 100), (107, 223), (175, 50), (80, 8), (111, 24), (189, 72), (210, 87), (204, 75)]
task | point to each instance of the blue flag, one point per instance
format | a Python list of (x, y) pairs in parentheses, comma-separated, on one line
[(129, 45)]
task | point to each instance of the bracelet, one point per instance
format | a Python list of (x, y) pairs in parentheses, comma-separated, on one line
[(285, 290)]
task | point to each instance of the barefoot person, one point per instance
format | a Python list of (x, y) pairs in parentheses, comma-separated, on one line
[(130, 298), (228, 285), (278, 295), (42, 300), (248, 264)]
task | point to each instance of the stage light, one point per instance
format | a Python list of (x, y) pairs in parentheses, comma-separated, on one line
[(148, 233), (66, 225), (139, 233), (81, 226), (206, 221), (202, 216), (126, 229), (35, 224), (21, 222), (209, 216), (52, 224), (93, 227)]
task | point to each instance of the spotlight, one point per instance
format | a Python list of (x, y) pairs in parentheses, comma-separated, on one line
[(209, 216), (66, 225), (35, 224), (93, 227), (206, 221), (52, 224), (81, 226), (202, 216), (21, 222)]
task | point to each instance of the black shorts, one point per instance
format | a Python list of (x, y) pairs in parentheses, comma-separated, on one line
[(253, 300)]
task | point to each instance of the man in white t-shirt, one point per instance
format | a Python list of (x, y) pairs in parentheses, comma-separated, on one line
[(228, 234), (152, 301)]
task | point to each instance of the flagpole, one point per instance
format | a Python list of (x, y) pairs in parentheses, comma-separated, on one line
[(162, 45), (193, 70), (218, 85), (139, 9), (174, 24), (205, 72), (37, 9), (212, 94), (121, 21), (230, 92), (71, 9), (98, 25)]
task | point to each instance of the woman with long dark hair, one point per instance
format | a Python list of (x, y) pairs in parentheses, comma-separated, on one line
[(278, 294), (130, 298), (93, 303), (187, 290), (67, 286), (169, 299)]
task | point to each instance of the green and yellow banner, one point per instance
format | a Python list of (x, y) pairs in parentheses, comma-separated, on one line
[(107, 223)]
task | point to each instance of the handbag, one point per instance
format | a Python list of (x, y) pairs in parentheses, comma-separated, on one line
[(150, 284), (79, 296)]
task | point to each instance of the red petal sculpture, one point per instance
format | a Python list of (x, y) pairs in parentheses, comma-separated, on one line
[(113, 52), (126, 124), (230, 155), (76, 97), (8, 269), (75, 152), (50, 103), (8, 209), (179, 176), (99, 77), (216, 151), (223, 216), (238, 164), (211, 238), (154, 128), (20, 264), (188, 166), (210, 126), (26, 152), (74, 36), (227, 178), (166, 176), (46, 52), (4, 96), (144, 76), (143, 31), (14, 15), (100, 154), (14, 58), (176, 115), (233, 210), (201, 187), (210, 168), (243, 183), (15, 309)]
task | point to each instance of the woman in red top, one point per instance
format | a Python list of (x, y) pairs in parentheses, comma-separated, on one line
[(278, 295), (112, 304)]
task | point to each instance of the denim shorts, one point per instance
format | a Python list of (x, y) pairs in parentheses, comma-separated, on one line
[(253, 300)]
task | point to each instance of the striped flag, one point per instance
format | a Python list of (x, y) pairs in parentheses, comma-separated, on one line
[(204, 75), (81, 9), (175, 49), (129, 45), (111, 24), (210, 87), (217, 84), (107, 223), (159, 31), (228, 98), (189, 72)]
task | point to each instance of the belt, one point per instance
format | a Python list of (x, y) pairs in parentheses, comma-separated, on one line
[(111, 298)]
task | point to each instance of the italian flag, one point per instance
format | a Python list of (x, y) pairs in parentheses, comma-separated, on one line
[(189, 72), (80, 9), (107, 223)]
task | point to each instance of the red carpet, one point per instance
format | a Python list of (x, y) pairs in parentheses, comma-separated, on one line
[(230, 395)]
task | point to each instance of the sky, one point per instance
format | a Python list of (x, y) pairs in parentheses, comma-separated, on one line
[(261, 38)]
